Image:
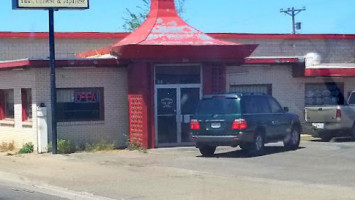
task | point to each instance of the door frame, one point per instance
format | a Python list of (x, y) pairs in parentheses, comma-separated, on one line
[(178, 88)]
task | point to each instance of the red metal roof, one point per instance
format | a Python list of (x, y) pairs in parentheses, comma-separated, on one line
[(165, 36), (13, 64)]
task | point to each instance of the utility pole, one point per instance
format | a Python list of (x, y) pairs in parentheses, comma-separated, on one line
[(292, 12)]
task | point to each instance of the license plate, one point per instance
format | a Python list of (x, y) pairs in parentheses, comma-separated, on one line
[(216, 125), (318, 125)]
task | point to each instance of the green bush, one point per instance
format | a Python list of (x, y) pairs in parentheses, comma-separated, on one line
[(26, 148), (65, 147)]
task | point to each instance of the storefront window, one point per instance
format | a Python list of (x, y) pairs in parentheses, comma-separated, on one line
[(80, 104), (324, 94), (255, 88), (26, 98), (7, 104), (177, 75)]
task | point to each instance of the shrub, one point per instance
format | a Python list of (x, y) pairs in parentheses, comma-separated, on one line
[(7, 146), (65, 147), (26, 148)]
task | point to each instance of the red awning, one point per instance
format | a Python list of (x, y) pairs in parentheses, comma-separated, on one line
[(75, 63), (331, 70)]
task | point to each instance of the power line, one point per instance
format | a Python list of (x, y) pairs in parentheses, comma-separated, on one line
[(293, 12)]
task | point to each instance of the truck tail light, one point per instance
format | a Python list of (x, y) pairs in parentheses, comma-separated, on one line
[(194, 124), (338, 115), (239, 124)]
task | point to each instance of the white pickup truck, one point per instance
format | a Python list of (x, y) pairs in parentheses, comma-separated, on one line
[(330, 121)]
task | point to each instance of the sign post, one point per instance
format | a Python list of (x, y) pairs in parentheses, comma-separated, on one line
[(51, 6)]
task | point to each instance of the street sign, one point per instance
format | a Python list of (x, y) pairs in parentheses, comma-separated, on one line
[(45, 4)]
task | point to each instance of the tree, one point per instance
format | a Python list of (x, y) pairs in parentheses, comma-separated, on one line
[(134, 20)]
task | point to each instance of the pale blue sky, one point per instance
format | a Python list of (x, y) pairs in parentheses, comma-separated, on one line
[(235, 16)]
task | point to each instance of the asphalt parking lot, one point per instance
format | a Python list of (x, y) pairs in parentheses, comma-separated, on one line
[(317, 170)]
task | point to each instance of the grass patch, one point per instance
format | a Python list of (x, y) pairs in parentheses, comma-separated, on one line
[(134, 145), (68, 147), (26, 148), (7, 146), (102, 146)]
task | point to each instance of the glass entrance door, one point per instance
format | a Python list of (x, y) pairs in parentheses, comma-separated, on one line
[(175, 104)]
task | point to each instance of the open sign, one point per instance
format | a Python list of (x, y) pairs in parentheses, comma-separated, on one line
[(85, 97)]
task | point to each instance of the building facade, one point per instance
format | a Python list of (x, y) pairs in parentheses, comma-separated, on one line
[(110, 90)]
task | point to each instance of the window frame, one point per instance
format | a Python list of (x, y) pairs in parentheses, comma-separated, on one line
[(268, 87), (101, 105), (4, 115), (26, 102), (272, 99), (339, 85)]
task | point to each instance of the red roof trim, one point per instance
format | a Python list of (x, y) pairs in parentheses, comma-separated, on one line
[(64, 35), (331, 72), (60, 63), (270, 60), (100, 35), (282, 36)]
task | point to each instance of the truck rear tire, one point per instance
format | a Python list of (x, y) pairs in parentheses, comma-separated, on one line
[(325, 136)]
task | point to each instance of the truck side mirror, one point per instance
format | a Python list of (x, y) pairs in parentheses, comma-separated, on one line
[(286, 109)]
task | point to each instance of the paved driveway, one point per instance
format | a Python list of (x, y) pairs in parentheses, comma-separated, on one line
[(315, 171)]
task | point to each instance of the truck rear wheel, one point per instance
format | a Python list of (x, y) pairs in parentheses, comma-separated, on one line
[(325, 136)]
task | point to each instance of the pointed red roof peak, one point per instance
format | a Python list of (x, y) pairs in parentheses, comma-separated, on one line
[(165, 36)]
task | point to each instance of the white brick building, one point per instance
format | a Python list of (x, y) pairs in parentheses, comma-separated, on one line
[(277, 67)]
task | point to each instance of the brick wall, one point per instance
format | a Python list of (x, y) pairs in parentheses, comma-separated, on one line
[(114, 127), (289, 91), (12, 49), (331, 50), (14, 130)]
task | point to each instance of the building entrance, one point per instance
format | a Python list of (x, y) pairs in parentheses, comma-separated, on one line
[(175, 104)]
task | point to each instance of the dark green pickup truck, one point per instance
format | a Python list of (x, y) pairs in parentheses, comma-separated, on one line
[(248, 120)]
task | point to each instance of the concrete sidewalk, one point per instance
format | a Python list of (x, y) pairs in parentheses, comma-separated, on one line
[(137, 175)]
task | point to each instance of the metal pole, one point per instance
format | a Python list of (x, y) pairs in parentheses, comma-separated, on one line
[(52, 75), (293, 21)]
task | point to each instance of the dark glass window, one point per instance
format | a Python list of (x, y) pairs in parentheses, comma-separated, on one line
[(324, 94), (255, 104), (177, 75), (7, 104), (26, 98), (254, 88), (275, 106), (352, 99), (218, 105), (80, 104)]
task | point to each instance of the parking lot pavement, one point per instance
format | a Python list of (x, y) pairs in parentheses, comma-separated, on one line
[(317, 170)]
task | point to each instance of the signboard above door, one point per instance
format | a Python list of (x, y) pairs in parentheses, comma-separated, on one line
[(45, 4)]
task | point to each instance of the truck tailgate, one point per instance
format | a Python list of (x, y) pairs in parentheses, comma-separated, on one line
[(321, 114)]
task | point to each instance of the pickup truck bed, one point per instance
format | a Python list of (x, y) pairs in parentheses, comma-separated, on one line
[(329, 121)]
